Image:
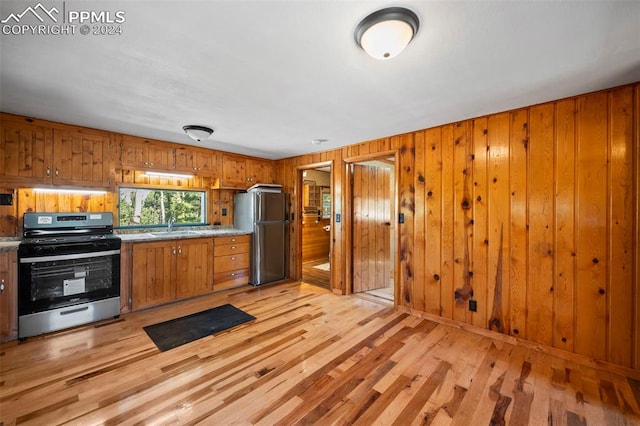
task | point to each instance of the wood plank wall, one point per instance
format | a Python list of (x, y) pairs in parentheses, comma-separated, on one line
[(531, 213)]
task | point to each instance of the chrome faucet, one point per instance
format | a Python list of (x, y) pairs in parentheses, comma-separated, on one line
[(170, 223)]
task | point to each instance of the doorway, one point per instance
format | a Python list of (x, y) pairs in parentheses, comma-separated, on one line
[(373, 227), (316, 225)]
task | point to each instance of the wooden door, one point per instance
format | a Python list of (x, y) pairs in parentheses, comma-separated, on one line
[(371, 227), (81, 158), (153, 273), (25, 152), (194, 267)]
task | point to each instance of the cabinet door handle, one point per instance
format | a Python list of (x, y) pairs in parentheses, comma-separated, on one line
[(146, 163), (57, 172), (1, 285), (173, 251), (233, 240), (180, 251), (151, 163), (233, 247), (48, 171), (233, 258), (232, 274)]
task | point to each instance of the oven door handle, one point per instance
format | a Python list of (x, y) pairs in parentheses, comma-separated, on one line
[(74, 311), (68, 256)]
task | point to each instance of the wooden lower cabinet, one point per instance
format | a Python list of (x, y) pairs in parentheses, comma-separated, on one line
[(231, 259), (8, 295), (153, 281), (194, 268), (167, 270)]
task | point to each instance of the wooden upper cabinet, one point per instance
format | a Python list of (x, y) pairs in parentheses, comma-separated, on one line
[(31, 154), (141, 153), (25, 151), (260, 171), (81, 158), (198, 161), (241, 172), (234, 170), (206, 162)]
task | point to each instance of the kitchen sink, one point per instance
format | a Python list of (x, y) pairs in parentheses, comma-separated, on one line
[(174, 233)]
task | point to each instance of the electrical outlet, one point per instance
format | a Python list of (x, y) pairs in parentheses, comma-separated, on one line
[(473, 305)]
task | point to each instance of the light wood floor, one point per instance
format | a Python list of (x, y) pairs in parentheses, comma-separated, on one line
[(316, 276), (311, 357)]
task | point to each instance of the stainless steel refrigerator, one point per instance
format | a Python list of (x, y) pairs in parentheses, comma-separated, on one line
[(262, 211)]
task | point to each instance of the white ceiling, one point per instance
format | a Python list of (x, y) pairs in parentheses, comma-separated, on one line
[(270, 76)]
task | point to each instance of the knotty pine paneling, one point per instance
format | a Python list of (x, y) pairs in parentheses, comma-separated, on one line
[(533, 213), (31, 201), (9, 215), (620, 205), (407, 209)]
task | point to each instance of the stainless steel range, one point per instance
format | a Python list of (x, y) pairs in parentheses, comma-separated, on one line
[(69, 271)]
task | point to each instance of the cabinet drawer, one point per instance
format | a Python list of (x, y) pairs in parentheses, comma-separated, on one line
[(222, 280), (235, 239), (227, 249), (230, 262)]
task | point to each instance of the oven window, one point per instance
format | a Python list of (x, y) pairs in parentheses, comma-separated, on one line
[(156, 207), (57, 279)]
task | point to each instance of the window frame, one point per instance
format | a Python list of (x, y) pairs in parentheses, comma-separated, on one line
[(203, 209)]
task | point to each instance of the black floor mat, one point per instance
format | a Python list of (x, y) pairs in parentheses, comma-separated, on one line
[(173, 333)]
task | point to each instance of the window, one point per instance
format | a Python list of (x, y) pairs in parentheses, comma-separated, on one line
[(155, 207)]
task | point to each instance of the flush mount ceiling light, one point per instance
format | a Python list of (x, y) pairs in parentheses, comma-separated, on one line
[(387, 32), (318, 141), (197, 133)]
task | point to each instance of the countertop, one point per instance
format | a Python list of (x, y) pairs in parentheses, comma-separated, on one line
[(12, 243), (9, 243), (180, 234)]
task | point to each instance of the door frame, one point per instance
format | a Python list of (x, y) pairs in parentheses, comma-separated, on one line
[(348, 217), (298, 189)]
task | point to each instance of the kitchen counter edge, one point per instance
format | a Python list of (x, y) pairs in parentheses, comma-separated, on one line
[(146, 237)]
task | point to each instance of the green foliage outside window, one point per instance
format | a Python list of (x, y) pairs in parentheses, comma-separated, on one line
[(155, 207)]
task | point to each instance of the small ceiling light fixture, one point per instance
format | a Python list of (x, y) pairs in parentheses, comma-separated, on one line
[(387, 32), (197, 133), (318, 141)]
